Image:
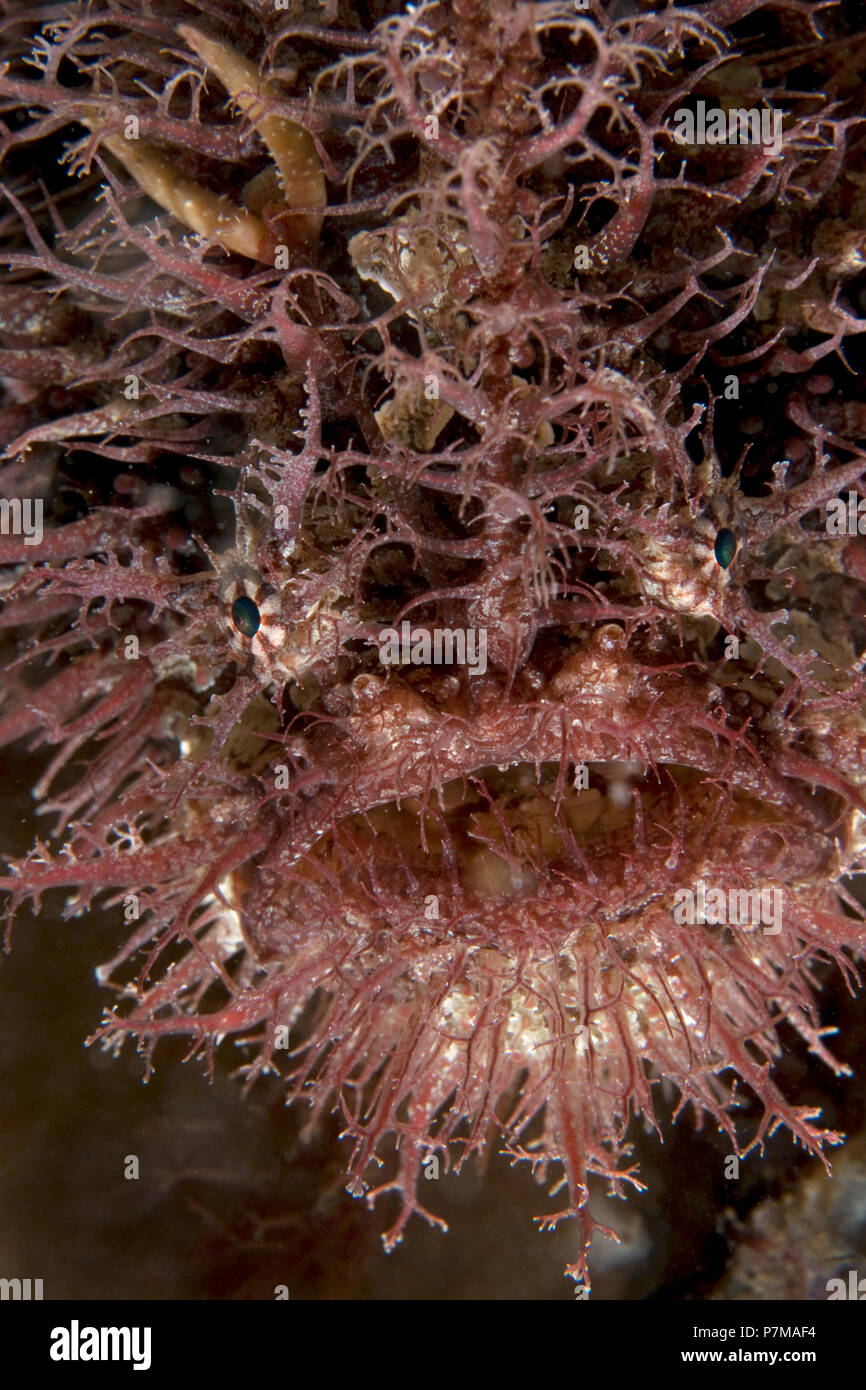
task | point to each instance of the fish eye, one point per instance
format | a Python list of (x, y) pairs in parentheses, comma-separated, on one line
[(725, 547), (246, 616)]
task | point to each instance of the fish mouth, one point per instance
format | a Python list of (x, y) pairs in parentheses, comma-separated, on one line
[(511, 856), (507, 944)]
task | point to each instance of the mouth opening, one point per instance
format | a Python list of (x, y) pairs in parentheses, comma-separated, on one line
[(506, 852)]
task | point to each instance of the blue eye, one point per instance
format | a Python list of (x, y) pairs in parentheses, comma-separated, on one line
[(725, 547), (246, 616)]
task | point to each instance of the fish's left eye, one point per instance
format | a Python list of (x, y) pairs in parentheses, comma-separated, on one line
[(725, 547), (246, 616)]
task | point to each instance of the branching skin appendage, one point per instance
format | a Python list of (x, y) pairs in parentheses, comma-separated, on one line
[(533, 368)]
